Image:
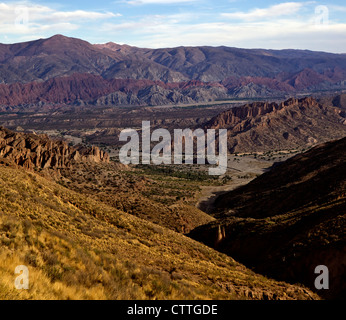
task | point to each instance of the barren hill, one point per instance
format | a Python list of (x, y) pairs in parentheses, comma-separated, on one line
[(289, 220)]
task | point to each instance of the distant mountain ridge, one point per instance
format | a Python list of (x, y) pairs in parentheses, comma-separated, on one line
[(226, 72)]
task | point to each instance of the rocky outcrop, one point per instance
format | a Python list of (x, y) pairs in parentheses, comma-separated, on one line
[(295, 123), (38, 151)]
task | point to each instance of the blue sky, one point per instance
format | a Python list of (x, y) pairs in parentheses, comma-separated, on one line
[(313, 25)]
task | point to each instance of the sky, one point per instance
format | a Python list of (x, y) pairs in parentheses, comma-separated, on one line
[(312, 25)]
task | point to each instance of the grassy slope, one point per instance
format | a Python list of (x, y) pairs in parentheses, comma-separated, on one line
[(153, 195), (78, 248)]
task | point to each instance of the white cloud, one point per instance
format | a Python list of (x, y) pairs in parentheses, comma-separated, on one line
[(29, 19), (282, 9), (171, 30), (9, 12), (336, 8), (81, 15)]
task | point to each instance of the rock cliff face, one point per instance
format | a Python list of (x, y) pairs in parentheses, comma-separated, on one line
[(263, 126), (38, 151)]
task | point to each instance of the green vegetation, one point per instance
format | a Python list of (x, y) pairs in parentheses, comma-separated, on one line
[(170, 171)]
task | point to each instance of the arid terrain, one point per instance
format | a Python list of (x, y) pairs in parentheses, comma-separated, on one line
[(91, 227), (178, 199), (79, 245)]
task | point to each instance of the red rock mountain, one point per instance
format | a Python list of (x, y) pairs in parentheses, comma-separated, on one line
[(93, 89)]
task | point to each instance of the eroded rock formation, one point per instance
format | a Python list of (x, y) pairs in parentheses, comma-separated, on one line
[(39, 151)]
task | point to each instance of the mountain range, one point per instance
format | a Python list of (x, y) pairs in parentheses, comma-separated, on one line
[(68, 70)]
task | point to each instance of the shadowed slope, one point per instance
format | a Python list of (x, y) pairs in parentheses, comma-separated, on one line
[(289, 220)]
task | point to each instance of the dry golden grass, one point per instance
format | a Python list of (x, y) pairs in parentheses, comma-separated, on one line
[(78, 248), (166, 198)]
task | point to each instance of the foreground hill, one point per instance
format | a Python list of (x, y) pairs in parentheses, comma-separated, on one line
[(28, 70), (79, 248), (289, 220), (295, 123)]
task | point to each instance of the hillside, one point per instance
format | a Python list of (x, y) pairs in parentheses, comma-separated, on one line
[(162, 199), (78, 248), (289, 220), (295, 123), (89, 171)]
